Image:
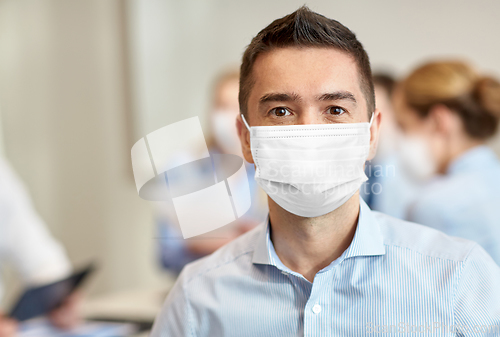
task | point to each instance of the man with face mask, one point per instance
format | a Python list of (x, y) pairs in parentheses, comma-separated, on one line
[(324, 264)]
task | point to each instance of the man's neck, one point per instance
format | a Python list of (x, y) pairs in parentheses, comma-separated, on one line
[(307, 245)]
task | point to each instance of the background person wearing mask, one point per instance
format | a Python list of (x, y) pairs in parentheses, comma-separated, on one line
[(389, 189), (447, 112), (27, 246), (176, 252)]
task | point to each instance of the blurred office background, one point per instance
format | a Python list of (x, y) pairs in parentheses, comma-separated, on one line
[(82, 80)]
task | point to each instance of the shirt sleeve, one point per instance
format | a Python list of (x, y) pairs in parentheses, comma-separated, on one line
[(477, 304), (175, 318), (27, 244)]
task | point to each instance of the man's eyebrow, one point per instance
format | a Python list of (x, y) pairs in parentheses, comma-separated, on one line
[(337, 96), (279, 97)]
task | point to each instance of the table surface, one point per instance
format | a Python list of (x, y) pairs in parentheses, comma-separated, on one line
[(134, 305)]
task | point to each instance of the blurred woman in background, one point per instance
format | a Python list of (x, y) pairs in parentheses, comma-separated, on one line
[(448, 112)]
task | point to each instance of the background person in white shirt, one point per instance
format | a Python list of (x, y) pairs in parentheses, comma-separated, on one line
[(27, 246)]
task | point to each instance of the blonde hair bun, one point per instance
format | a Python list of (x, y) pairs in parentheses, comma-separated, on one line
[(476, 99), (487, 92)]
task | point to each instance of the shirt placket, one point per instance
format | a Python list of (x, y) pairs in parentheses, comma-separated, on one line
[(316, 311)]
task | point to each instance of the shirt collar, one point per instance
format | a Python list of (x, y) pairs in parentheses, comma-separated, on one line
[(367, 241), (477, 157), (261, 251)]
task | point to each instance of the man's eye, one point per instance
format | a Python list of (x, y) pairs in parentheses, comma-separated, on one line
[(280, 112), (336, 111)]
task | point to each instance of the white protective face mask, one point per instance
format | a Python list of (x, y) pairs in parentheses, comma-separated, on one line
[(225, 133), (416, 158), (313, 169)]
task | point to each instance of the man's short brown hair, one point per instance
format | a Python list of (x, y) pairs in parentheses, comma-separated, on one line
[(305, 28)]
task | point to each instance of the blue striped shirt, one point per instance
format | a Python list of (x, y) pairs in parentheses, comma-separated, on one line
[(395, 278)]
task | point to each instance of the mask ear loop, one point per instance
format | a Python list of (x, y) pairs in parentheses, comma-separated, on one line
[(371, 119), (245, 122)]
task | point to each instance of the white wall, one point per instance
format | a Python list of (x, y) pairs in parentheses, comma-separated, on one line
[(64, 103), (178, 46), (1, 133)]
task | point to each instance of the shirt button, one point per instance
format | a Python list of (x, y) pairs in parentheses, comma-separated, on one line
[(316, 308)]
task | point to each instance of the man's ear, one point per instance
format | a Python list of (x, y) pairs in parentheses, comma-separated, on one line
[(374, 133), (244, 135)]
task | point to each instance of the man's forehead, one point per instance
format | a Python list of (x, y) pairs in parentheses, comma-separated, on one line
[(307, 68)]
